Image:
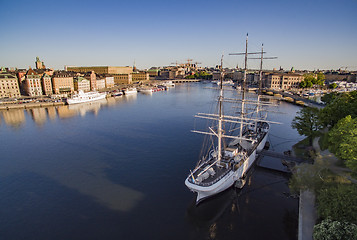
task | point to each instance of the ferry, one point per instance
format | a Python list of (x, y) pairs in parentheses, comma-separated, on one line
[(82, 97)]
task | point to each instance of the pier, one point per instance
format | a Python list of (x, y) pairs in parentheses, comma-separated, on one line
[(296, 98), (290, 160), (281, 156), (185, 80)]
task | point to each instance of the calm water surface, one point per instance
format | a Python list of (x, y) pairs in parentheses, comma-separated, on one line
[(116, 169)]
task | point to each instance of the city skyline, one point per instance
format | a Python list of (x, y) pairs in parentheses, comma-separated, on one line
[(305, 35)]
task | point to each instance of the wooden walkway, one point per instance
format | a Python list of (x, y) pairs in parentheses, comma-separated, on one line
[(281, 156)]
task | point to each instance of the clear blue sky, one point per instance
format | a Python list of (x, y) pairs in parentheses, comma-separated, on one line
[(303, 34)]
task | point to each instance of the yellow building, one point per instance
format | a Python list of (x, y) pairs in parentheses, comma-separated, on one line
[(81, 83), (140, 76), (32, 83), (283, 80), (123, 78), (46, 84), (9, 86), (62, 82), (101, 69)]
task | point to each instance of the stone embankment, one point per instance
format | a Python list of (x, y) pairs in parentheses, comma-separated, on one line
[(8, 106)]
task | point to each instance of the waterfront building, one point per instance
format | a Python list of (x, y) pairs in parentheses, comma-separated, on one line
[(81, 83), (100, 83), (62, 82), (109, 81), (46, 84), (101, 69), (154, 73), (123, 78), (92, 77), (168, 73), (282, 80), (140, 76), (9, 86), (32, 85)]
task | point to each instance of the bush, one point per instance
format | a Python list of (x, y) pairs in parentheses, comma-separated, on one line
[(333, 230), (338, 203)]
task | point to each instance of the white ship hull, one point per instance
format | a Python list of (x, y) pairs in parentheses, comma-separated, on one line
[(229, 179), (130, 91), (86, 97)]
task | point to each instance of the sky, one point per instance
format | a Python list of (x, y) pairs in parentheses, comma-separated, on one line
[(306, 35)]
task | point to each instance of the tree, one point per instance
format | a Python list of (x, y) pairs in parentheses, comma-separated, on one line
[(342, 140), (320, 79), (332, 86), (340, 106), (306, 122), (332, 230), (338, 203)]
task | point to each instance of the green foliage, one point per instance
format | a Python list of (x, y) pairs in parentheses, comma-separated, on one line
[(308, 177), (342, 140), (339, 106), (333, 230), (332, 86), (330, 97), (200, 75), (302, 84), (320, 79), (310, 80), (306, 122), (338, 203)]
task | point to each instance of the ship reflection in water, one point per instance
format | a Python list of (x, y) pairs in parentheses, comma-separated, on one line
[(16, 119)]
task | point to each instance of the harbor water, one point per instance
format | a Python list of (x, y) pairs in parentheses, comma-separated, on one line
[(115, 169)]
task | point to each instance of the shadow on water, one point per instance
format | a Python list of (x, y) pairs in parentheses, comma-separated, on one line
[(210, 210)]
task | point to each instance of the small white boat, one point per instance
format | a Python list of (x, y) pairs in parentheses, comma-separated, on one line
[(128, 91), (117, 93), (83, 97), (146, 90), (226, 82), (169, 84)]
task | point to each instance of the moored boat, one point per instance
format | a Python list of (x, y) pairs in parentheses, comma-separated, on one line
[(233, 144), (82, 97), (128, 91), (117, 93)]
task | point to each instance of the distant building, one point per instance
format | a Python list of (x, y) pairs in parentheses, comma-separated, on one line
[(123, 78), (100, 83), (282, 80), (46, 84), (9, 86), (154, 73), (92, 77), (32, 84), (140, 76), (62, 82), (39, 64), (81, 83), (101, 69), (109, 81)]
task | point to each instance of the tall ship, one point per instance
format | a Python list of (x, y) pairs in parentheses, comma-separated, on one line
[(232, 143), (82, 97)]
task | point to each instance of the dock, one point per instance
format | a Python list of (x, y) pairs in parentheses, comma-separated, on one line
[(281, 156), (290, 160), (185, 80)]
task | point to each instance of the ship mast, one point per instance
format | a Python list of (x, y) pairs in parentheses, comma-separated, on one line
[(244, 86), (220, 113)]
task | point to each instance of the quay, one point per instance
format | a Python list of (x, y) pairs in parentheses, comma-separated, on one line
[(295, 99), (29, 105), (185, 80)]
